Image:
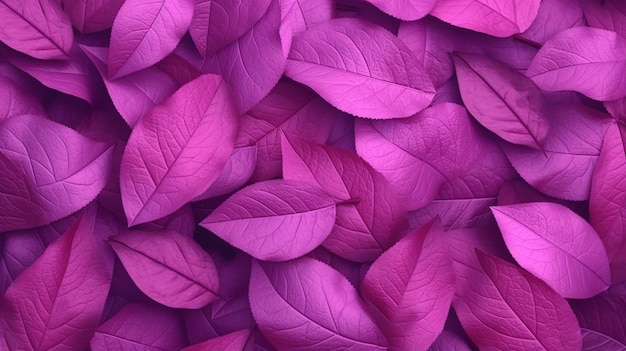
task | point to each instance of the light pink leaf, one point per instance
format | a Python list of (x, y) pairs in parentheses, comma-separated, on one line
[(177, 150), (595, 341), (411, 287), (417, 155), (144, 32), (556, 245), (169, 267), (503, 100), (38, 28), (406, 10), (57, 302), (500, 18), (587, 60), (235, 341), (305, 304), (236, 172), (369, 213), (554, 16), (16, 102), (49, 171), (274, 220), (504, 307), (607, 212), (90, 16), (606, 14), (127, 330), (361, 69)]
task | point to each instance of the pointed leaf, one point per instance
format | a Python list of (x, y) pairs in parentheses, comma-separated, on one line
[(557, 246), (177, 150), (304, 304), (297, 16), (90, 16), (406, 10), (236, 172), (360, 68), (169, 267), (554, 16), (606, 14), (234, 341)]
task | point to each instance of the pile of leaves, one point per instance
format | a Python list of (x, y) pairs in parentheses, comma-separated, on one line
[(312, 175)]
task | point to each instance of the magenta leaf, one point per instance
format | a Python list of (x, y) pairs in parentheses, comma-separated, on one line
[(235, 341), (169, 267), (406, 10), (219, 318), (177, 150), (236, 172), (181, 221), (14, 101), (144, 32), (556, 245), (361, 69), (420, 153), (410, 287), (56, 303), (369, 213), (594, 341), (128, 330), (274, 220), (90, 16), (587, 60), (38, 28), (504, 307), (606, 14), (181, 70), (448, 341), (297, 16), (554, 16), (304, 304), (49, 171), (603, 314), (608, 194), (503, 100)]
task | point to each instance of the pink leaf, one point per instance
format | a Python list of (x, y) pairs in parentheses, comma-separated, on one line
[(419, 154), (90, 16), (177, 150), (498, 18), (369, 214), (236, 172), (297, 16), (504, 307), (274, 220), (16, 102), (234, 341), (169, 267), (127, 330), (361, 69), (144, 32), (606, 14), (304, 304), (411, 286), (181, 70), (503, 100), (557, 246), (448, 341), (554, 16), (406, 10), (57, 302), (587, 60), (608, 195), (38, 28), (49, 171)]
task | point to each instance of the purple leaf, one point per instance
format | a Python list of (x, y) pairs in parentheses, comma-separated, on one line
[(169, 267), (177, 150), (497, 18), (234, 341), (556, 245), (503, 100), (181, 70), (608, 194), (587, 60), (564, 166), (128, 330), (606, 14), (16, 102), (49, 171), (554, 16), (181, 221), (369, 214), (144, 32), (135, 94), (38, 28), (236, 172), (361, 69), (603, 314), (410, 287), (297, 16), (305, 304), (406, 10), (419, 154), (90, 16), (448, 341), (56, 303), (504, 307), (594, 341), (219, 318), (274, 220), (353, 271)]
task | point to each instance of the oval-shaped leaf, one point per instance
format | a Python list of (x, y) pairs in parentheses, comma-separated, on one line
[(178, 149), (406, 10), (90, 16), (282, 220), (503, 100), (38, 28), (169, 267), (587, 60), (304, 304), (556, 245), (500, 18), (360, 68), (49, 171), (144, 32), (411, 285)]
